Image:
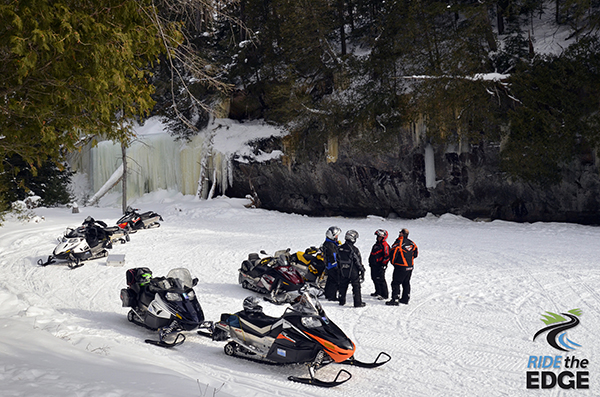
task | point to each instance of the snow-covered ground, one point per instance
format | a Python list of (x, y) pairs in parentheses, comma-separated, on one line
[(480, 290)]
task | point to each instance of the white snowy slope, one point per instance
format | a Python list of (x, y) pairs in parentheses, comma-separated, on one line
[(480, 290)]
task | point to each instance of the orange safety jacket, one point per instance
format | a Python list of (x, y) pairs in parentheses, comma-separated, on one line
[(404, 251)]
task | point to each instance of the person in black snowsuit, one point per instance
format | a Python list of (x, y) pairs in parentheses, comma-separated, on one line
[(378, 261), (404, 251), (330, 249), (351, 269)]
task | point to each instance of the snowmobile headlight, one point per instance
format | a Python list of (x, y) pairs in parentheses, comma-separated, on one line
[(172, 296), (311, 322), (189, 295)]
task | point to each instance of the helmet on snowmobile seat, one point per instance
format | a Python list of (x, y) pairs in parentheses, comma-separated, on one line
[(351, 235), (333, 232), (252, 305), (381, 233)]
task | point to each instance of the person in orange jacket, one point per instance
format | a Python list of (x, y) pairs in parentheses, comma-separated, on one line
[(404, 251)]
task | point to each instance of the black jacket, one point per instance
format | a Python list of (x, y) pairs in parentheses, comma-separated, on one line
[(350, 261)]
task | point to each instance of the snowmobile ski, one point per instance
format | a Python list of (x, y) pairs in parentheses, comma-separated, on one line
[(75, 264), (207, 329), (321, 383), (48, 262), (374, 364), (179, 339)]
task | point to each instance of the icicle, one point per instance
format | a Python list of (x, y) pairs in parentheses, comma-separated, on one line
[(212, 188), (429, 167)]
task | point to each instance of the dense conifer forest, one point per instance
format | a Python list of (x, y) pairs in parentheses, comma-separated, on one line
[(358, 69)]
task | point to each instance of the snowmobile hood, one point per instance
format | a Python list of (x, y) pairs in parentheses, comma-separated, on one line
[(336, 352)]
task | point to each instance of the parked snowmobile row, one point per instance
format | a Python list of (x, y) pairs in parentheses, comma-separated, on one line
[(94, 238), (283, 274), (89, 241), (303, 334)]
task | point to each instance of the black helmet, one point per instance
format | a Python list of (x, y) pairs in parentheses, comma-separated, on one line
[(251, 305), (381, 233), (333, 232), (352, 235)]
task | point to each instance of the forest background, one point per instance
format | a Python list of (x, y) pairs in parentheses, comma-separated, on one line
[(72, 72)]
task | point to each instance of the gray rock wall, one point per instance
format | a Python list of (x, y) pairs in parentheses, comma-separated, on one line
[(467, 182)]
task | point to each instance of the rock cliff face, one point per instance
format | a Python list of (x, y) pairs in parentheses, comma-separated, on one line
[(404, 181)]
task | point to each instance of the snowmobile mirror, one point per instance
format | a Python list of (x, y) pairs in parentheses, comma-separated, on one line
[(263, 252), (195, 281)]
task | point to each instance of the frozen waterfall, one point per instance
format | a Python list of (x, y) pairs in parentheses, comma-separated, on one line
[(155, 160)]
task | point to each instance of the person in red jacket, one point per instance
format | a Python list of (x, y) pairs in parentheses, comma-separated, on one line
[(404, 251), (378, 260)]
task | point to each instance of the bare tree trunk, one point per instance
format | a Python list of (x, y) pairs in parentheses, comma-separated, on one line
[(124, 178)]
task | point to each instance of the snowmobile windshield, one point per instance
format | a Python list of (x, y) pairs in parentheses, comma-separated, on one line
[(308, 304), (182, 277), (282, 260)]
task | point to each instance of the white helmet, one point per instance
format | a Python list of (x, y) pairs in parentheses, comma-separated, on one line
[(251, 305), (333, 232)]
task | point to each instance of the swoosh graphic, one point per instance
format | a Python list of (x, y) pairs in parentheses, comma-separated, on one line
[(556, 329)]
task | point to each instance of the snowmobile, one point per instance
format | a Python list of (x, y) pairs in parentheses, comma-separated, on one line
[(164, 304), (310, 263), (303, 334), (133, 221), (271, 275), (89, 241)]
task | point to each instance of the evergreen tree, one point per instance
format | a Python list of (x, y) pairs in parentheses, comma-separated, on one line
[(556, 115), (72, 67)]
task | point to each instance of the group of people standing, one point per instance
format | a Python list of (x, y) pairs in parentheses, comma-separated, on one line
[(344, 266)]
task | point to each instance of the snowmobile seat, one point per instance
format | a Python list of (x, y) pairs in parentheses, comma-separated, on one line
[(258, 271), (146, 296), (261, 320)]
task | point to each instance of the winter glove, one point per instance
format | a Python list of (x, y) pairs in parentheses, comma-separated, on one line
[(362, 277)]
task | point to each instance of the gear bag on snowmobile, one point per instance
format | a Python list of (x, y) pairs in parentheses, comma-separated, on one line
[(137, 278)]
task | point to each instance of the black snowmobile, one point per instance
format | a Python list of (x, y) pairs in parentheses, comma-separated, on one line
[(303, 334), (271, 275), (133, 221), (166, 304), (89, 241)]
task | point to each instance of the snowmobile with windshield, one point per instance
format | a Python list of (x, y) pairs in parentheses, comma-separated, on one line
[(89, 241), (271, 275), (133, 221), (303, 334), (310, 263), (164, 304)]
